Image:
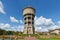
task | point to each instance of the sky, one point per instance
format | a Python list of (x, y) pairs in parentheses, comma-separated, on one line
[(47, 16)]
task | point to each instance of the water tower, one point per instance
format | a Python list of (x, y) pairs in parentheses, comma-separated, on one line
[(29, 14)]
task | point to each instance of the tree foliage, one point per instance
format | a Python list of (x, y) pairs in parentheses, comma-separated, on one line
[(4, 32)]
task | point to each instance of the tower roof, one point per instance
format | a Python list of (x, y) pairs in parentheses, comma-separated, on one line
[(29, 7)]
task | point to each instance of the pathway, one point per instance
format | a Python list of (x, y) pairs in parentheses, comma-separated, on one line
[(30, 38)]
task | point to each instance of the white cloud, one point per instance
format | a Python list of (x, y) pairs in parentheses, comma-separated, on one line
[(2, 25), (21, 27), (7, 25), (16, 28), (43, 23), (13, 19), (53, 27), (2, 8), (21, 21)]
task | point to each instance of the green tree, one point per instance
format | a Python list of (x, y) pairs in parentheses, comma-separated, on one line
[(2, 32), (9, 33)]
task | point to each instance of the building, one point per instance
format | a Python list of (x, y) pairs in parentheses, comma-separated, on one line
[(55, 31), (29, 14)]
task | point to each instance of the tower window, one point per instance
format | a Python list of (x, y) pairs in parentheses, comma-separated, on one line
[(25, 23), (32, 22), (25, 18), (29, 17), (29, 22)]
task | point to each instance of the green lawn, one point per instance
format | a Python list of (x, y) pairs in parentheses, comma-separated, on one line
[(48, 39)]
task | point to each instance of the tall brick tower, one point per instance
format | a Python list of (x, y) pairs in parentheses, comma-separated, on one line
[(29, 14)]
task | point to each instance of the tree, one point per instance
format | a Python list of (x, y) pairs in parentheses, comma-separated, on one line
[(2, 32), (9, 33)]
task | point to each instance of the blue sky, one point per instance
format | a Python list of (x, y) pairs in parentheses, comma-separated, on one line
[(11, 12)]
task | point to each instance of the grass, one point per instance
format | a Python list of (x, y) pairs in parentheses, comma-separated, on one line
[(22, 36), (48, 39)]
